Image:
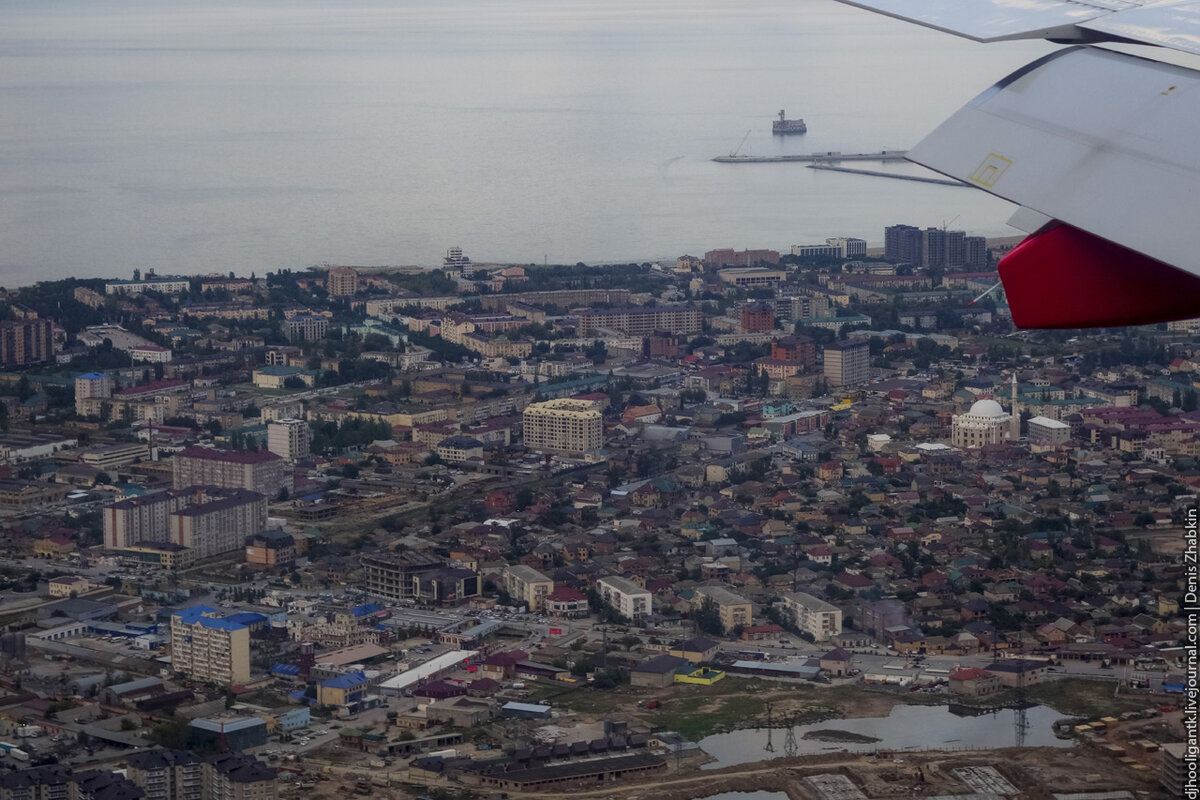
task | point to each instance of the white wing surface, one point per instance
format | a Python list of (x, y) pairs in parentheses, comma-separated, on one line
[(1103, 141)]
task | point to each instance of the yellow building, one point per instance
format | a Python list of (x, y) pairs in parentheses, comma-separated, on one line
[(342, 690), (733, 609), (68, 585), (701, 677), (209, 648), (527, 584), (53, 546), (342, 281), (563, 425), (167, 555)]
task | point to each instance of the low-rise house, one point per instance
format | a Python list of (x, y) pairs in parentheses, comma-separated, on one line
[(699, 650), (658, 672), (974, 682)]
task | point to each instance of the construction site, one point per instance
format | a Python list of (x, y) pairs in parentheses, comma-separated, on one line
[(1033, 773), (1105, 759)]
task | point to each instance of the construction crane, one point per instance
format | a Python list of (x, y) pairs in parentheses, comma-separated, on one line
[(734, 152)]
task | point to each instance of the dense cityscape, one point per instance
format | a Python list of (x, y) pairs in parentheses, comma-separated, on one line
[(501, 530)]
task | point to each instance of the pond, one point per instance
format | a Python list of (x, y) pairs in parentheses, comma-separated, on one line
[(907, 727)]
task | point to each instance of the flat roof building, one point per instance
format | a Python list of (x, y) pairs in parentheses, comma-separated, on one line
[(564, 425), (211, 648)]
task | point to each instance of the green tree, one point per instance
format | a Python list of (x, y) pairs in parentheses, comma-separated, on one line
[(708, 618)]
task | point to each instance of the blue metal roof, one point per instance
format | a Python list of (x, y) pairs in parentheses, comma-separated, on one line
[(196, 615), (285, 669), (348, 681)]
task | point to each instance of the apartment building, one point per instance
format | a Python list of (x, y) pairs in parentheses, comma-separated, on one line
[(342, 281), (813, 615), (629, 599), (642, 320), (220, 525), (563, 298), (182, 775), (733, 609), (289, 439), (206, 519), (563, 426), (306, 328), (157, 400), (847, 363), (26, 341), (526, 584), (91, 385), (263, 471), (167, 774), (211, 648), (160, 285), (271, 549)]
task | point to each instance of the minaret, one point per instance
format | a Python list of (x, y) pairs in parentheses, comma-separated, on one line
[(1014, 424)]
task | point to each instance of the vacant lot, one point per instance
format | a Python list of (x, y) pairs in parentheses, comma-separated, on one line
[(1087, 698), (696, 711)]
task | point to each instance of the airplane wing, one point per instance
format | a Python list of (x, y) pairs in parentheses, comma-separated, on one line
[(1097, 147), (999, 20)]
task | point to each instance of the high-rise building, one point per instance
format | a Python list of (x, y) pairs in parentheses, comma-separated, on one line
[(306, 328), (902, 243), (208, 520), (795, 348), (757, 317), (289, 438), (341, 281), (91, 385), (211, 648), (167, 774), (975, 252), (26, 341), (563, 426), (455, 259), (847, 363), (263, 471), (933, 247)]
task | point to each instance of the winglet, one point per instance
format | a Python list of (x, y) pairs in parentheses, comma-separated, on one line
[(1063, 277)]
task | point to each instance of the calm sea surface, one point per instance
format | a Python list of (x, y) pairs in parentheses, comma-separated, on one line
[(199, 135)]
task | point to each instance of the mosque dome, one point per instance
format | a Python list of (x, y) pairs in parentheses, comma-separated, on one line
[(987, 408)]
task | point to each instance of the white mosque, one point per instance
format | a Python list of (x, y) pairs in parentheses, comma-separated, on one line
[(986, 423)]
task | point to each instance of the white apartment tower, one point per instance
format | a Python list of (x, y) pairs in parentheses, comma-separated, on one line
[(289, 438)]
